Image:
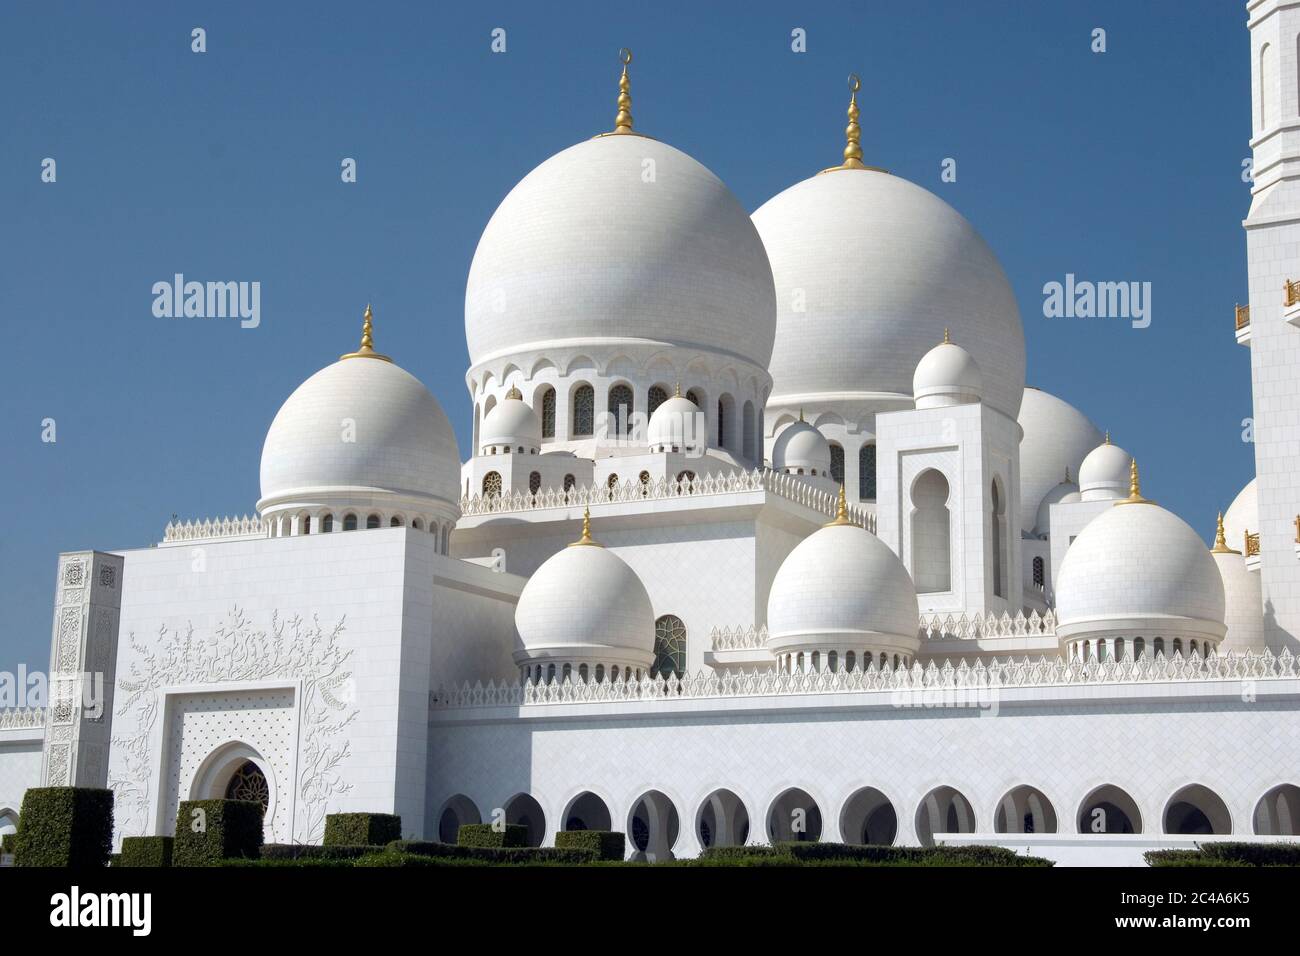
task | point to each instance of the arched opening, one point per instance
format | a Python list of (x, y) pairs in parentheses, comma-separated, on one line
[(569, 482), (248, 783), (1196, 809), (395, 521), (652, 826), (943, 810), (722, 820), (931, 546), (583, 414), (747, 431), (794, 817), (670, 646), (587, 811), (620, 409), (8, 821), (1278, 811), (492, 485), (1025, 810), (1039, 573), (654, 398), (1268, 109), (867, 472), (1108, 809), (695, 398), (869, 818), (726, 423), (534, 482), (522, 810), (326, 523), (349, 522), (837, 463), (372, 522), (548, 412), (998, 538), (457, 812), (417, 524)]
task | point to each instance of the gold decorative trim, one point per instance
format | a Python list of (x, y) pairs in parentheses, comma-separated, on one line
[(853, 134), (586, 541), (1220, 542), (367, 349)]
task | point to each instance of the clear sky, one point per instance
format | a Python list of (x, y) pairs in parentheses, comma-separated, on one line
[(1122, 166)]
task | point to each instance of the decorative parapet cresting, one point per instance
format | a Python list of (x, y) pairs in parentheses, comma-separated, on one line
[(970, 627), (25, 718), (212, 528), (738, 638)]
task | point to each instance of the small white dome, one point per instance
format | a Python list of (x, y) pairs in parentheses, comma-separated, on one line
[(1063, 493), (360, 428), (584, 605), (513, 423), (1139, 570), (800, 445), (1056, 436), (674, 422), (1104, 473), (843, 589), (1242, 516), (947, 375)]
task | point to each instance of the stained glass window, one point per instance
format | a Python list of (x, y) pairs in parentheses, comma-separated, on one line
[(620, 408), (670, 646), (867, 472), (548, 413), (534, 483), (492, 484), (249, 783), (837, 463), (656, 397), (584, 410)]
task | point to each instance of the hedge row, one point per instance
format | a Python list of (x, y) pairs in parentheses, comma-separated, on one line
[(145, 851), (308, 851), (209, 831), (65, 826), (606, 845), (797, 854), (488, 854), (362, 829), (7, 843), (491, 835), (1231, 853)]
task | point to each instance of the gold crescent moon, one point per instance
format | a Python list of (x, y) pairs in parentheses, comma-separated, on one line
[(625, 55), (855, 83)]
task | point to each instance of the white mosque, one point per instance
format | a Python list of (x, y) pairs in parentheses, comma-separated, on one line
[(761, 536)]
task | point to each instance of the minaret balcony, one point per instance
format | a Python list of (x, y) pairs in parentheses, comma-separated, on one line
[(1243, 325), (1291, 301)]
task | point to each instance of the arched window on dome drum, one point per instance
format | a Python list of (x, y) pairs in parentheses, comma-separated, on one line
[(849, 661), (747, 432), (417, 524), (569, 482), (372, 522), (305, 524), (534, 483), (1158, 647), (654, 398), (694, 397), (584, 410), (837, 463), (492, 485), (326, 523), (1139, 648), (349, 522), (394, 522), (1178, 647), (1038, 572), (446, 539), (548, 413), (670, 646), (612, 484), (867, 472), (931, 556), (620, 408)]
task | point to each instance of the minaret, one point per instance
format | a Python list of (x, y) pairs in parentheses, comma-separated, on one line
[(1272, 236)]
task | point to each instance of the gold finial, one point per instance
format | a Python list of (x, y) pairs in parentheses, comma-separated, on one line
[(1221, 541), (1067, 474), (586, 540), (1107, 436), (677, 390), (623, 121), (367, 349), (515, 393), (853, 133), (801, 414), (1134, 486), (841, 511), (947, 339)]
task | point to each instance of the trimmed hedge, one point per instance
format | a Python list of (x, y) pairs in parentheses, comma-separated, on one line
[(209, 831), (489, 854), (308, 851), (8, 842), (65, 826), (145, 851), (1253, 854), (806, 854), (605, 844), (362, 829), (488, 835)]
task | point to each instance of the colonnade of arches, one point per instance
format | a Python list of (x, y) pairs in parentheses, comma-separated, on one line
[(329, 520), (1135, 648), (869, 816), (815, 662)]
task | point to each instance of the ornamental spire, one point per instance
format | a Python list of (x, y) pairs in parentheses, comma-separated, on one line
[(1134, 486), (1221, 541), (853, 133), (841, 511), (367, 349), (623, 121), (586, 540)]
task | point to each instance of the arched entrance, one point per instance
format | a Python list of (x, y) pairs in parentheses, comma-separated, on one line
[(1108, 809), (1278, 811), (236, 771), (869, 818), (1196, 809), (1025, 810), (523, 810), (943, 810), (722, 820), (457, 812), (794, 817), (586, 811), (652, 826), (249, 784)]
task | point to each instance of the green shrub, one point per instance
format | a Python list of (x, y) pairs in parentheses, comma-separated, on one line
[(362, 829), (397, 858), (605, 844), (8, 842), (65, 826), (208, 831), (277, 863), (1185, 858), (488, 854), (488, 835), (145, 851), (843, 854), (1252, 854), (307, 851)]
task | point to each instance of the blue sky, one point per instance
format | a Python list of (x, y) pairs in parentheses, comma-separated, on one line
[(225, 165)]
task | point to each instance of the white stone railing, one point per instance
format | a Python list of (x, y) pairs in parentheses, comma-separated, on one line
[(213, 528), (738, 638), (969, 627), (790, 487), (1000, 673), (22, 719)]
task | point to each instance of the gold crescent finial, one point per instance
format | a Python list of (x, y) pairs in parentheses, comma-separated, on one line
[(623, 121), (853, 132), (1221, 541), (1134, 486), (367, 349), (841, 511), (586, 540)]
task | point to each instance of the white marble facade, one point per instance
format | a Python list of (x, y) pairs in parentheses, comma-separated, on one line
[(940, 604)]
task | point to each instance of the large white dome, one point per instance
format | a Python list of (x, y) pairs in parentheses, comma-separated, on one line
[(870, 269), (584, 605), (842, 588), (356, 429), (588, 252), (1057, 436), (1138, 568)]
